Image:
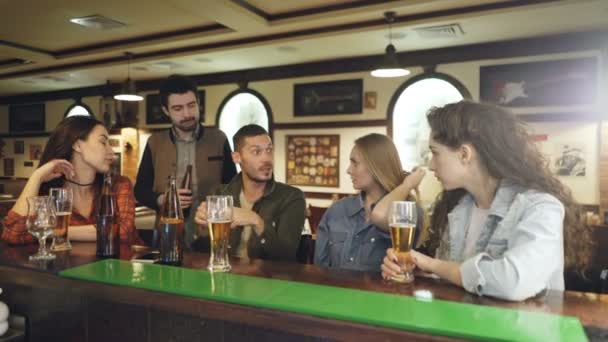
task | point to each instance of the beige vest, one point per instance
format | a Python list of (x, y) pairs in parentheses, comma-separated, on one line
[(209, 159)]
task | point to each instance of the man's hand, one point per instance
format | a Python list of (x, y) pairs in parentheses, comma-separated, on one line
[(185, 198)]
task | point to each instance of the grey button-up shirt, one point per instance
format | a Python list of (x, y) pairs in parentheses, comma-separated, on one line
[(347, 240)]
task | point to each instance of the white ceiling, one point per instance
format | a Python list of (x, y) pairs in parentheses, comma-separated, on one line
[(228, 35)]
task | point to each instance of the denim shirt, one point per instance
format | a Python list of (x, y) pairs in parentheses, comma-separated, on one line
[(520, 251), (347, 240)]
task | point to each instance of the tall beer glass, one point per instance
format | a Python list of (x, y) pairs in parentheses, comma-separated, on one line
[(61, 200), (402, 221), (219, 218)]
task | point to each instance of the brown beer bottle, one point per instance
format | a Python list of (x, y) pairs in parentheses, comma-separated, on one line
[(107, 225), (170, 229), (187, 184)]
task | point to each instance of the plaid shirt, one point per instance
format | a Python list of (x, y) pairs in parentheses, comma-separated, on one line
[(15, 231)]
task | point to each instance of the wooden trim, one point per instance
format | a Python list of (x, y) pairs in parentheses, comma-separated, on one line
[(578, 41), (330, 124), (324, 195), (139, 39)]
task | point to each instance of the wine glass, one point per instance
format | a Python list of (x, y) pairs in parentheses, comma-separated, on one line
[(402, 218), (40, 222)]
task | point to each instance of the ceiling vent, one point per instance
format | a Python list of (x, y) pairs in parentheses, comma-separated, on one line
[(441, 31), (98, 22)]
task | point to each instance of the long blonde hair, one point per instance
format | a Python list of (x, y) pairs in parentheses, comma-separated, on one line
[(382, 160)]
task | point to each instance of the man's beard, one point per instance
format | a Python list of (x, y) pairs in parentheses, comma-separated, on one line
[(187, 126)]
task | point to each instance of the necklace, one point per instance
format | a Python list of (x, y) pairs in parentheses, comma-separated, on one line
[(79, 184)]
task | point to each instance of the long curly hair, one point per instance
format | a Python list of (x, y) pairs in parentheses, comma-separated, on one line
[(508, 153)]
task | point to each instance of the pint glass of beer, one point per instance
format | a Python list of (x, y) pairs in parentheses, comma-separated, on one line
[(402, 221), (61, 199), (219, 219)]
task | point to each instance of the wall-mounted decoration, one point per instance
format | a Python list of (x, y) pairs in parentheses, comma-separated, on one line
[(29, 118), (35, 151), (9, 167), (371, 99), (337, 97), (571, 160), (19, 147), (547, 83), (2, 144), (313, 160), (155, 114), (113, 142), (28, 163)]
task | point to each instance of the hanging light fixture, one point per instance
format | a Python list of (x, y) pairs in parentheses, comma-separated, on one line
[(128, 92), (389, 67)]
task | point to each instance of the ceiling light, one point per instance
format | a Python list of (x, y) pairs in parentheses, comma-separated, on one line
[(128, 91), (389, 67), (97, 22)]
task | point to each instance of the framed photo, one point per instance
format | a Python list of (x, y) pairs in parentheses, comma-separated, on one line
[(337, 97), (29, 118), (371, 99), (313, 160), (35, 151), (9, 167), (565, 82), (19, 147), (154, 111)]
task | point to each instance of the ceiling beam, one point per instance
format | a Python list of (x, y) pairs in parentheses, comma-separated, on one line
[(226, 12)]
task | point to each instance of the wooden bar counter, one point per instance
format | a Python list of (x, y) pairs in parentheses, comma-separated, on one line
[(63, 309)]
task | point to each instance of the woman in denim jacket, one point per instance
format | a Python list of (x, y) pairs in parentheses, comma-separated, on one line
[(353, 233), (503, 222)]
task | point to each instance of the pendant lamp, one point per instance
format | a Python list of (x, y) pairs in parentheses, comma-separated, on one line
[(389, 66), (128, 91)]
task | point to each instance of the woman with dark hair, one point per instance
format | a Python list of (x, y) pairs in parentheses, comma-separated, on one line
[(503, 221), (75, 157)]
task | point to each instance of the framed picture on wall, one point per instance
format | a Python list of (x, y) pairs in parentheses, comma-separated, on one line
[(9, 167), (28, 118), (313, 160), (19, 147), (564, 82), (336, 97), (154, 112)]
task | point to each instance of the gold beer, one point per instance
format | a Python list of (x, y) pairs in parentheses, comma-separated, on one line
[(402, 237), (60, 232), (219, 234)]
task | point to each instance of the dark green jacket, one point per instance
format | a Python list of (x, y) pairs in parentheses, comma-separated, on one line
[(282, 207)]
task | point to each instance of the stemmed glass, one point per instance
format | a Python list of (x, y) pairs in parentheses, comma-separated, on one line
[(62, 200), (40, 222), (402, 218)]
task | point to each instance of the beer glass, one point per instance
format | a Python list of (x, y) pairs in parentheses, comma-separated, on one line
[(61, 200), (219, 219), (402, 222), (40, 222)]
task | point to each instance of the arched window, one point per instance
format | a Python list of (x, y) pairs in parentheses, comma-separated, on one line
[(407, 113), (78, 108), (240, 108)]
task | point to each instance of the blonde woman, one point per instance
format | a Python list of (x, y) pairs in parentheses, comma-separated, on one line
[(353, 233)]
